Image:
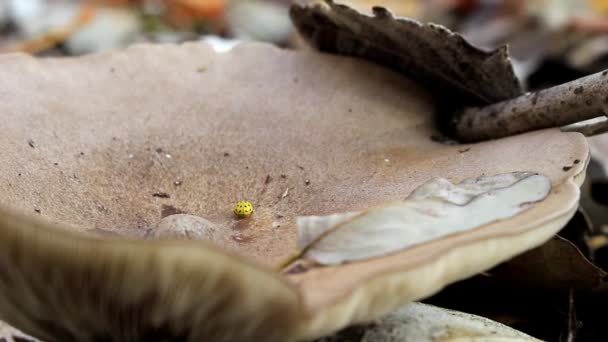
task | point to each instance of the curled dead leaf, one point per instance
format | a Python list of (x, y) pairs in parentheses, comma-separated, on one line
[(436, 209), (431, 54), (556, 265)]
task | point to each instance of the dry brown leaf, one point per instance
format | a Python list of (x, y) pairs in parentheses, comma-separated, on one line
[(431, 54), (556, 265)]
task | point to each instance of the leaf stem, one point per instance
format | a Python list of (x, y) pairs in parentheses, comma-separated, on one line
[(565, 104)]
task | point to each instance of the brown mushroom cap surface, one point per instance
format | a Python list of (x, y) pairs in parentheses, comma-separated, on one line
[(103, 126), (105, 142)]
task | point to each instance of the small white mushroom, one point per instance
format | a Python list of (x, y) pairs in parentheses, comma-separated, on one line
[(427, 323)]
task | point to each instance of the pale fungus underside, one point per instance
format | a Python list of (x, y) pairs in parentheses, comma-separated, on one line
[(331, 135), (426, 323)]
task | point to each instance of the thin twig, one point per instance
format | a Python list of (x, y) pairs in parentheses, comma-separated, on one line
[(569, 103), (572, 322), (54, 37)]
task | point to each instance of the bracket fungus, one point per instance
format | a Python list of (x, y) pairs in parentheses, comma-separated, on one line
[(357, 132)]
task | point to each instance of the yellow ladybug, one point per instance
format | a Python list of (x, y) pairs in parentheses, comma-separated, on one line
[(243, 209)]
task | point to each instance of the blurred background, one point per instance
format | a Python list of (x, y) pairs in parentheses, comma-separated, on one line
[(545, 35)]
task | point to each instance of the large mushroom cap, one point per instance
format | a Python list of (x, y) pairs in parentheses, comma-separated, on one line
[(109, 142)]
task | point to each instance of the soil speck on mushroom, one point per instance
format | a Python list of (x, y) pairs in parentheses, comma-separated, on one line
[(31, 143), (241, 238), (168, 210), (161, 194), (285, 193)]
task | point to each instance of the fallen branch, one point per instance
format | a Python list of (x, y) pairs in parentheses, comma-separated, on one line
[(569, 103), (54, 37)]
